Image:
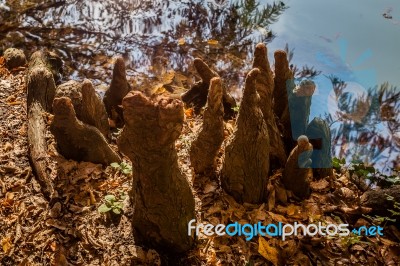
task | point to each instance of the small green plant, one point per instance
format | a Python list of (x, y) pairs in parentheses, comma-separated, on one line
[(112, 204), (123, 167), (367, 172), (382, 220), (351, 239), (236, 109), (338, 163), (396, 206)]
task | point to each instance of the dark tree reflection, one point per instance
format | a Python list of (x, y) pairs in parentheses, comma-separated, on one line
[(154, 36), (366, 127)]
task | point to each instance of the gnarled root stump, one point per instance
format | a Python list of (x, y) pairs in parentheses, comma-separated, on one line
[(282, 75), (297, 173), (41, 89), (205, 147), (14, 58), (246, 166), (87, 105), (196, 96), (118, 89), (265, 87), (319, 134), (38, 152), (283, 86), (40, 81), (76, 140), (163, 203)]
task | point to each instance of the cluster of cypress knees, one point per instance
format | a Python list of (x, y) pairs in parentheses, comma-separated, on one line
[(272, 131)]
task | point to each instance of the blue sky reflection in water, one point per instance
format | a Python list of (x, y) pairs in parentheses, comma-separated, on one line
[(356, 41)]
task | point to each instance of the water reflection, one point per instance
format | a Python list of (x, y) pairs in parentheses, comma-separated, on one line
[(153, 36), (160, 38), (365, 127)]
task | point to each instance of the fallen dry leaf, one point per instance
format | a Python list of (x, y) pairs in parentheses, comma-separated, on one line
[(292, 209), (181, 41), (212, 42), (189, 112), (319, 185), (6, 243), (268, 252)]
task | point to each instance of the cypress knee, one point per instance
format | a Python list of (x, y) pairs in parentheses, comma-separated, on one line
[(14, 58), (297, 173), (209, 140), (93, 110), (41, 88), (196, 96), (87, 104), (282, 75), (40, 81), (265, 87), (163, 201), (246, 166), (283, 88), (76, 140), (118, 89)]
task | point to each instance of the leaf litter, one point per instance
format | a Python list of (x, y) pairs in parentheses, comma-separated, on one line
[(69, 230)]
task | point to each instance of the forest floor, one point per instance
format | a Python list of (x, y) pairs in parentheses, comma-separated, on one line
[(69, 230)]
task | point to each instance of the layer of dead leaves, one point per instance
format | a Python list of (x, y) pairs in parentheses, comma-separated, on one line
[(69, 230)]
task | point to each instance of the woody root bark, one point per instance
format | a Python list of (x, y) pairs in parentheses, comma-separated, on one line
[(163, 201), (272, 131), (80, 124)]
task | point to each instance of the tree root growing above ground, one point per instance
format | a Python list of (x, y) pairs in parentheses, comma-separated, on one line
[(76, 140), (163, 201), (209, 140), (118, 89), (297, 173), (265, 87), (196, 96), (246, 165), (87, 105)]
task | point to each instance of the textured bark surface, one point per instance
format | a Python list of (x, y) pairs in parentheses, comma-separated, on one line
[(283, 87), (163, 201), (38, 152), (282, 75), (297, 173), (378, 200), (40, 81), (196, 96), (246, 166), (319, 135), (265, 87), (87, 104), (93, 110), (118, 89), (209, 140), (41, 87), (76, 140), (49, 60), (14, 58)]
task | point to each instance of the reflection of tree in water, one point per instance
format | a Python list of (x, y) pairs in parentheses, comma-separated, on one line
[(367, 128), (156, 36), (146, 33)]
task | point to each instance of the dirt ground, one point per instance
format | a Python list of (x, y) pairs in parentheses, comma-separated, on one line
[(69, 230)]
